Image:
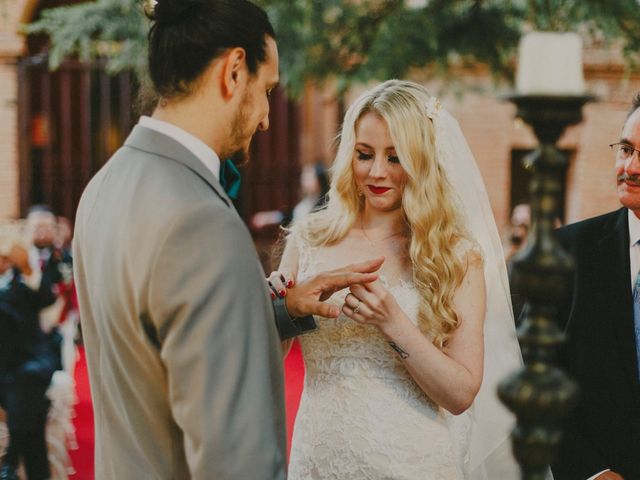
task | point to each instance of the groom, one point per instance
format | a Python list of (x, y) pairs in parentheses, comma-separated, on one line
[(183, 353)]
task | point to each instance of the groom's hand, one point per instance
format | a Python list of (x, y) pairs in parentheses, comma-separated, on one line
[(307, 297)]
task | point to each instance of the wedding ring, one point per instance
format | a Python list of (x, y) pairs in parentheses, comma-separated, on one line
[(356, 309)]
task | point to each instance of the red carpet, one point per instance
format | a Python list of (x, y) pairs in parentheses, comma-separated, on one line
[(82, 458), (294, 377)]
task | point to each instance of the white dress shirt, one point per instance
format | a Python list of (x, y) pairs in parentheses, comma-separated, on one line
[(634, 248), (5, 279), (201, 150)]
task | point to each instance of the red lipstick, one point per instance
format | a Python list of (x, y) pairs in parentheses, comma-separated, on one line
[(378, 190)]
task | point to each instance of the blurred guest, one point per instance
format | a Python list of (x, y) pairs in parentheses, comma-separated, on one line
[(49, 239), (314, 185), (27, 361), (65, 234), (70, 317), (47, 253), (515, 238)]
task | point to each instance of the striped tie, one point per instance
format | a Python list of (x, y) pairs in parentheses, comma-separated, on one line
[(636, 317)]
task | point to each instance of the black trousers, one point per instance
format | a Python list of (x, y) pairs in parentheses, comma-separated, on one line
[(22, 395)]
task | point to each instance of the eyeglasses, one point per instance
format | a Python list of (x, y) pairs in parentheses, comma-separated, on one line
[(624, 151)]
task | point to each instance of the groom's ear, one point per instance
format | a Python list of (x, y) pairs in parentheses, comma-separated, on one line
[(234, 72)]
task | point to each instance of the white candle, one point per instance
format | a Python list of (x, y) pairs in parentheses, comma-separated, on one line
[(550, 64)]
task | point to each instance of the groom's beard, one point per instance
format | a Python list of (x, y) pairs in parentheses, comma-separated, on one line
[(241, 136), (239, 157)]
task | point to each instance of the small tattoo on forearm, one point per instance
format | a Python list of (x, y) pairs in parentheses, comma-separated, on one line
[(400, 351)]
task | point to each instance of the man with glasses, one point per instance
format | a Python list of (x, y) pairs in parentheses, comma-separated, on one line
[(602, 322)]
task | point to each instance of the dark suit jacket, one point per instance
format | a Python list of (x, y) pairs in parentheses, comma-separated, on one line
[(22, 338), (600, 352), (54, 265)]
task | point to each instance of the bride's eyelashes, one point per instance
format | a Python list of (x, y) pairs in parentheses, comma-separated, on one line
[(368, 156), (364, 156)]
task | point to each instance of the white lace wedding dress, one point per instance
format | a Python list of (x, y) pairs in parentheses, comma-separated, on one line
[(361, 415)]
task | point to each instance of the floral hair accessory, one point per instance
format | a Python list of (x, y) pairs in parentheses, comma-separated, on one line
[(149, 7), (433, 107)]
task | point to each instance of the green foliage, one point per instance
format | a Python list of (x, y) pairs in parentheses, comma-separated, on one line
[(352, 41), (448, 33), (114, 29)]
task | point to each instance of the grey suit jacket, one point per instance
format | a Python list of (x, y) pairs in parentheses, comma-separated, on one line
[(183, 355)]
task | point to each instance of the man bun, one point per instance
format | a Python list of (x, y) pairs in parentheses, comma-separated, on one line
[(186, 35)]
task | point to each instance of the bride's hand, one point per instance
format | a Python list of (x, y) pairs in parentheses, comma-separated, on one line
[(279, 283), (371, 304), (609, 475)]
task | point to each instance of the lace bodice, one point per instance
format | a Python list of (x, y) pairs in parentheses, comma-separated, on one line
[(361, 415)]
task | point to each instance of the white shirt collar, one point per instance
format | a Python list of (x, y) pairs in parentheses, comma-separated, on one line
[(5, 279), (634, 228), (634, 248), (196, 146)]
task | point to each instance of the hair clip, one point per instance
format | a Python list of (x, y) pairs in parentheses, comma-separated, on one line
[(433, 107)]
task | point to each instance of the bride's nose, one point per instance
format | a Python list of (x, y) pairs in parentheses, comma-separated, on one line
[(379, 167)]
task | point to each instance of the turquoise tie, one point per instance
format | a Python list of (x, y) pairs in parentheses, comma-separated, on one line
[(230, 179), (636, 317)]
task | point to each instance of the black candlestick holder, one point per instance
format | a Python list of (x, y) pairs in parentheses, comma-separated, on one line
[(540, 394)]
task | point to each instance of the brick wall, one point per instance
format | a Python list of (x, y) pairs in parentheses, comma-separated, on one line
[(592, 181), (11, 47), (488, 126), (9, 177)]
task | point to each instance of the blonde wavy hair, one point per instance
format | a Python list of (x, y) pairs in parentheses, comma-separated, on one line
[(434, 224)]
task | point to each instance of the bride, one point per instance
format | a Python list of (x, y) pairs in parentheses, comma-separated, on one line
[(402, 384)]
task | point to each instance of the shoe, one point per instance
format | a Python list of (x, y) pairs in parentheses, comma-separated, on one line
[(7, 472)]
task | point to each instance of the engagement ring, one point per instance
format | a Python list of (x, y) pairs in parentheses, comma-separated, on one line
[(357, 307)]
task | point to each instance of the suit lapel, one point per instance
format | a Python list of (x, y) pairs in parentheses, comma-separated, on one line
[(614, 249), (151, 141)]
